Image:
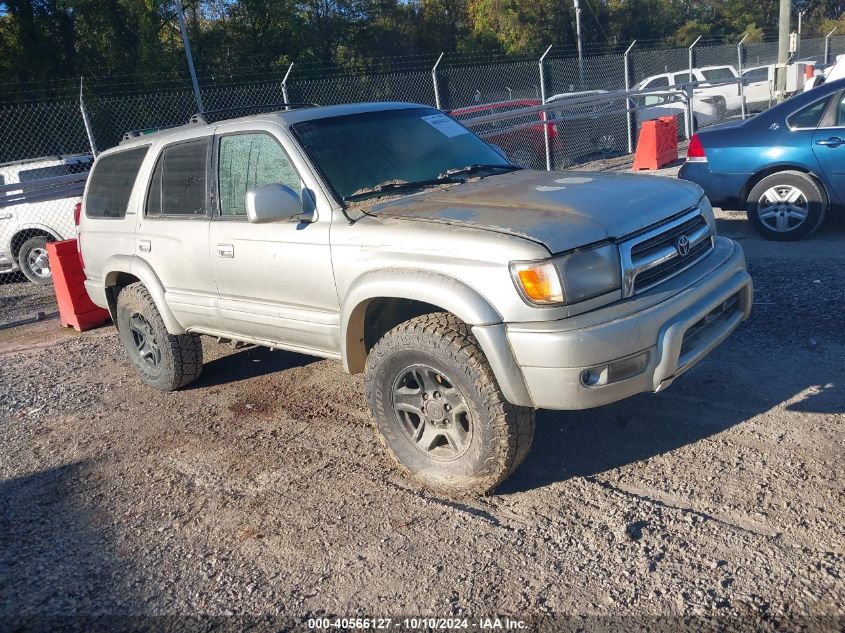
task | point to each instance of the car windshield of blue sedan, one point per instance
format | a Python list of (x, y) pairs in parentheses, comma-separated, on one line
[(416, 145)]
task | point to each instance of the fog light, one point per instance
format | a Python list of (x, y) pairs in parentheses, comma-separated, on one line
[(616, 371)]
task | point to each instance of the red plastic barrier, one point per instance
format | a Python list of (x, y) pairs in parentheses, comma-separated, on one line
[(76, 309), (658, 144), (809, 71)]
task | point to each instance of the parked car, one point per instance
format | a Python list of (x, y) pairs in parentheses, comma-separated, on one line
[(723, 96), (760, 84), (785, 166), (649, 107), (388, 236), (37, 212), (526, 146), (588, 130), (834, 71)]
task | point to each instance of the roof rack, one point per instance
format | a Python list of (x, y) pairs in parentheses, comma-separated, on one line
[(144, 132), (200, 117)]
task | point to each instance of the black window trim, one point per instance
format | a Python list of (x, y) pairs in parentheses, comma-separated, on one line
[(146, 147), (208, 195), (216, 211)]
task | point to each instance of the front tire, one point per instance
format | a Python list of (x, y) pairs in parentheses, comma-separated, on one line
[(164, 361), (33, 260), (786, 206), (439, 411)]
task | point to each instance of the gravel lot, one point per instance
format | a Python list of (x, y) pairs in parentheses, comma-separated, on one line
[(261, 490)]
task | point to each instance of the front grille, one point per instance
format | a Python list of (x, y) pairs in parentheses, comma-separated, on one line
[(663, 271), (650, 246), (655, 256)]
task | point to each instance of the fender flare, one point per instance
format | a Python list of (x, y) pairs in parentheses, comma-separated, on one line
[(42, 228), (139, 268), (442, 291)]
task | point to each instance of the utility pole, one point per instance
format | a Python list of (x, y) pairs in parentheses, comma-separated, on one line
[(783, 46), (183, 27), (580, 45)]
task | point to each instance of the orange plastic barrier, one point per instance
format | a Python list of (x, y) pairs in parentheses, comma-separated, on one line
[(658, 144), (76, 309), (809, 71)]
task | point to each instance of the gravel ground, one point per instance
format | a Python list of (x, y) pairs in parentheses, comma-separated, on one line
[(261, 490)]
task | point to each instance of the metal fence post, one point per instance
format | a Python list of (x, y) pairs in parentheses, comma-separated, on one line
[(630, 115), (827, 45), (739, 70), (545, 114), (434, 81), (89, 131), (183, 27), (691, 93), (285, 86)]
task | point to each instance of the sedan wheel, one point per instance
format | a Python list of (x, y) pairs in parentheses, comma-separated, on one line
[(787, 205), (783, 208)]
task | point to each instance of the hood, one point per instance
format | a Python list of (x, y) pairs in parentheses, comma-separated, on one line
[(561, 210)]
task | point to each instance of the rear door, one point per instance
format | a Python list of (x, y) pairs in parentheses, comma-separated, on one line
[(829, 146), (275, 280), (172, 233)]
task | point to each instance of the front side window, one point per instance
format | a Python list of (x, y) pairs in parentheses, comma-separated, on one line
[(358, 151), (716, 75), (659, 82), (110, 185), (178, 185), (810, 116), (251, 160)]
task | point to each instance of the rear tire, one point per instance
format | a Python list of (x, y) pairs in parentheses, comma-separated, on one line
[(33, 262), (786, 206), (439, 411), (164, 361)]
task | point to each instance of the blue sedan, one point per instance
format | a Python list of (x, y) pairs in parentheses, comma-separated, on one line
[(785, 166)]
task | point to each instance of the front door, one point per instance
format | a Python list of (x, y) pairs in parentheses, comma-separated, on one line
[(275, 280), (172, 234), (829, 147)]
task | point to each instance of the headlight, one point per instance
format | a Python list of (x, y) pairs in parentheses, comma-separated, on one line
[(707, 212), (569, 278)]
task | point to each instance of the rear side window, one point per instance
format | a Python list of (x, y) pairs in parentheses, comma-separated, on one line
[(178, 186), (110, 185), (810, 116), (840, 114)]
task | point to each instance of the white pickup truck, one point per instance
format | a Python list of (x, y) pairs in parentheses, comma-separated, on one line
[(712, 88)]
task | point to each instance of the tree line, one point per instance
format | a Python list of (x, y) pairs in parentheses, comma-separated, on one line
[(42, 40)]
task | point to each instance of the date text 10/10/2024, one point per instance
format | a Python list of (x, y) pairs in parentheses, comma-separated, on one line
[(413, 624)]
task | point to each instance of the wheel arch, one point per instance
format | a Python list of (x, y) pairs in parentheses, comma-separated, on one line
[(123, 271), (774, 169), (22, 234)]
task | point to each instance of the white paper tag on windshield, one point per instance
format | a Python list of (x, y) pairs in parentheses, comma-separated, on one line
[(445, 125)]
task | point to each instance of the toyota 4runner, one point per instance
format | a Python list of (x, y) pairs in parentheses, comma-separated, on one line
[(391, 238)]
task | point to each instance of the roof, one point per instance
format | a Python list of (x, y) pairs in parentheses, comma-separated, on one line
[(285, 118)]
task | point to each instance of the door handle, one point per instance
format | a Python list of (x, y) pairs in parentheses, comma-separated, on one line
[(225, 250), (145, 246), (6, 216), (834, 141)]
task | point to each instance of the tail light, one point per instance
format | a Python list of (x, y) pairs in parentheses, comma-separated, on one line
[(77, 212), (695, 151)]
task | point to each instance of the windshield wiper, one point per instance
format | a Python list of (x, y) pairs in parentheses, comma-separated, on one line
[(394, 185), (472, 169)]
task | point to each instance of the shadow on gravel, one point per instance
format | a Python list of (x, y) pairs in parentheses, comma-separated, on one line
[(250, 362), (56, 556)]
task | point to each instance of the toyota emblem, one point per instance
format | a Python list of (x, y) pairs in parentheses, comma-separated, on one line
[(682, 246)]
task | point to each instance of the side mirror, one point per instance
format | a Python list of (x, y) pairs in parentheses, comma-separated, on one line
[(275, 203)]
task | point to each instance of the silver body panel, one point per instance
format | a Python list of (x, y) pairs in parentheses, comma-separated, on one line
[(306, 286)]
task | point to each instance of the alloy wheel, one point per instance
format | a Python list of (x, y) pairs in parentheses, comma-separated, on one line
[(432, 412), (39, 263), (145, 340), (783, 208)]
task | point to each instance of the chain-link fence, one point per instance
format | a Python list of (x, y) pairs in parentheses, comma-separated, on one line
[(46, 147)]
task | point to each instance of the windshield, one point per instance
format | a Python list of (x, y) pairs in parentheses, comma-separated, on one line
[(360, 151)]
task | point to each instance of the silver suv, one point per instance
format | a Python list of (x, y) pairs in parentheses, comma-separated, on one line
[(391, 238)]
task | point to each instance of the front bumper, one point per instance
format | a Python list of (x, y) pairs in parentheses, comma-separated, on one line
[(668, 330), (7, 262)]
